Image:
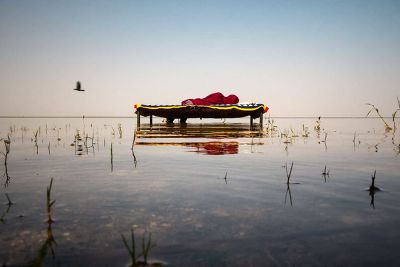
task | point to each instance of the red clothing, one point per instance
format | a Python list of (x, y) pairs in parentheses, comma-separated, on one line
[(212, 99)]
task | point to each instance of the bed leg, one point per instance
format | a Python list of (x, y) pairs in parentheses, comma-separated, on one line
[(138, 120)]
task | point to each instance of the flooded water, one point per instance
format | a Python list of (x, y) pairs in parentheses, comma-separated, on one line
[(210, 193)]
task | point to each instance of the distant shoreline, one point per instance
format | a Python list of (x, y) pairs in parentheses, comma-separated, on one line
[(134, 117)]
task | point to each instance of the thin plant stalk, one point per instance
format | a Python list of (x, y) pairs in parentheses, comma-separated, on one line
[(373, 108), (112, 158), (288, 173), (146, 248), (49, 202), (131, 249)]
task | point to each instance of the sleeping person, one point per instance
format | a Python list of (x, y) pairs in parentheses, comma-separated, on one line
[(212, 99)]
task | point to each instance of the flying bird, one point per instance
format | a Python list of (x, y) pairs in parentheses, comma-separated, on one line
[(78, 87)]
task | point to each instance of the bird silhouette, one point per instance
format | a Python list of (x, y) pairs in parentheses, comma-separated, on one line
[(78, 87)]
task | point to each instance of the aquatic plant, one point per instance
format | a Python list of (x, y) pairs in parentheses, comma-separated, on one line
[(112, 158), (133, 140), (394, 113), (9, 203), (317, 126), (7, 145), (354, 140), (270, 127), (373, 108), (325, 173), (113, 130), (146, 248), (35, 135), (132, 249), (48, 244), (387, 127), (372, 189), (3, 215), (288, 192), (133, 153), (305, 132), (86, 142), (120, 130), (288, 173), (134, 158), (49, 202)]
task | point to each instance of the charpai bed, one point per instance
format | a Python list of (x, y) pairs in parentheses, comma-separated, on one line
[(183, 112)]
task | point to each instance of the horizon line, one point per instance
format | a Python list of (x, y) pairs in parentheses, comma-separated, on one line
[(134, 117)]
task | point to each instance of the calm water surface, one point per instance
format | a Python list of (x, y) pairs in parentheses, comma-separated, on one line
[(210, 193)]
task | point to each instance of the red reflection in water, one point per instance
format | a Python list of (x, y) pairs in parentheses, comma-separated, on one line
[(217, 148)]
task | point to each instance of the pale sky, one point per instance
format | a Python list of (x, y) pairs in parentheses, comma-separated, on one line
[(301, 58)]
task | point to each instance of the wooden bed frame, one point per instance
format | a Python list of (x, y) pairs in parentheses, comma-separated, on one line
[(172, 112)]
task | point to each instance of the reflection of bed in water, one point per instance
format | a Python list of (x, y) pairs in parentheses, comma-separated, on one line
[(217, 148), (231, 130), (209, 148), (191, 136)]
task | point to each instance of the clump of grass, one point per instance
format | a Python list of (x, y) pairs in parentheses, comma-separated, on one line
[(49, 203), (35, 135), (131, 249), (146, 248), (270, 127), (317, 126), (305, 132), (120, 130), (288, 135)]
